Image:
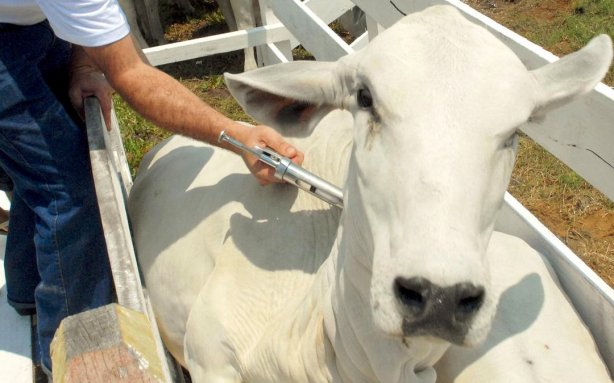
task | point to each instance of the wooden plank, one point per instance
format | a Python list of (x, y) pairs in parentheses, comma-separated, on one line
[(232, 41), (15, 340), (117, 156), (106, 345), (386, 13), (112, 181), (271, 54), (222, 43), (360, 42), (327, 10), (315, 35), (591, 296), (373, 28), (113, 212), (579, 134)]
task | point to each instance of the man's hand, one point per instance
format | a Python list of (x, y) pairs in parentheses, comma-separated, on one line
[(263, 136), (86, 80)]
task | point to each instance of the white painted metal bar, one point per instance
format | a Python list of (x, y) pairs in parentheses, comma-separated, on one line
[(580, 135), (314, 33)]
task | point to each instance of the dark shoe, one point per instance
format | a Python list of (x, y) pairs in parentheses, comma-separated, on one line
[(23, 309)]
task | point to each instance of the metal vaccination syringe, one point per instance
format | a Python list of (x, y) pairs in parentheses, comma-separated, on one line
[(290, 172)]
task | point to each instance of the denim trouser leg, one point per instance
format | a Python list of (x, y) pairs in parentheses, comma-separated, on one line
[(54, 217), (20, 259)]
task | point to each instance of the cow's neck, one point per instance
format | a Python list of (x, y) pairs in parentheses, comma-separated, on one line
[(363, 353)]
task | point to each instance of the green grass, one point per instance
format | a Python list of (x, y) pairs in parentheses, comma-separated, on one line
[(590, 18), (138, 134), (559, 27)]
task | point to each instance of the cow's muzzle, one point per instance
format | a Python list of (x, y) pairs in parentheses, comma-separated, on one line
[(443, 312)]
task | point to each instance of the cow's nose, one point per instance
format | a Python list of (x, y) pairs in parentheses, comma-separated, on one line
[(413, 294), (429, 309)]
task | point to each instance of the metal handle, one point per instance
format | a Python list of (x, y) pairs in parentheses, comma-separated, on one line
[(290, 172)]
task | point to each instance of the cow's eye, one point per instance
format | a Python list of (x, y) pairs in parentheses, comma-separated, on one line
[(364, 98)]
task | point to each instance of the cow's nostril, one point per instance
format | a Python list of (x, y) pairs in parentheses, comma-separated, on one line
[(411, 297), (412, 293), (470, 299)]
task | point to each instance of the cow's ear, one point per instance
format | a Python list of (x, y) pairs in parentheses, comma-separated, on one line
[(573, 75), (290, 97)]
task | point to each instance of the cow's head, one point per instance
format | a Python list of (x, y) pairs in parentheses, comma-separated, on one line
[(437, 103)]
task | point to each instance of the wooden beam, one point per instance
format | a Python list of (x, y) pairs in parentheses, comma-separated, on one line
[(233, 41), (271, 54), (360, 42), (106, 345), (314, 34), (222, 43), (112, 210), (327, 10), (113, 182), (373, 28)]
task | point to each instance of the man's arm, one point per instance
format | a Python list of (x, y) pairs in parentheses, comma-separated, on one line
[(164, 101)]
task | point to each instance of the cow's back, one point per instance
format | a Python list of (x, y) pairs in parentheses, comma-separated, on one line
[(203, 226)]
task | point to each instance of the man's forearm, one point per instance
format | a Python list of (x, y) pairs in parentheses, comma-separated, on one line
[(157, 96), (161, 99), (164, 101)]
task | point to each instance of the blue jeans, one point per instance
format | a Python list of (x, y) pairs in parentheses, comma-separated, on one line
[(55, 255)]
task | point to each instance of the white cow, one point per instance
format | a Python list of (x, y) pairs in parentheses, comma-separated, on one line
[(253, 284)]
